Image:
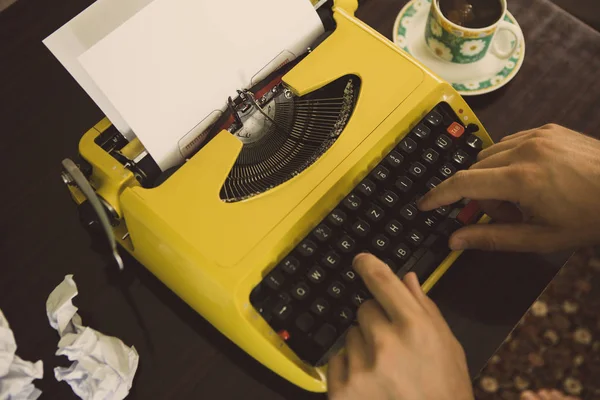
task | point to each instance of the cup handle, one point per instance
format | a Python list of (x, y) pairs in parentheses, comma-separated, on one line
[(507, 26)]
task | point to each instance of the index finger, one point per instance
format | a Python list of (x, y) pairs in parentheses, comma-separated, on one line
[(476, 184), (393, 296)]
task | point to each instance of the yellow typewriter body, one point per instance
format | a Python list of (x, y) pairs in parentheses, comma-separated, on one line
[(212, 253)]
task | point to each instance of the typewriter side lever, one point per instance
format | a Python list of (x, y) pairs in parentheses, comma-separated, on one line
[(72, 175)]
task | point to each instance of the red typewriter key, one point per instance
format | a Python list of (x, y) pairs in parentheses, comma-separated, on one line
[(285, 335), (456, 129)]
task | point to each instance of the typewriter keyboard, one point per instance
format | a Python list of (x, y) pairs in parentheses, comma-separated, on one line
[(311, 297)]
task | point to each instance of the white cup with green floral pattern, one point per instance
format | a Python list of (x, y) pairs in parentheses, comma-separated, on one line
[(462, 45)]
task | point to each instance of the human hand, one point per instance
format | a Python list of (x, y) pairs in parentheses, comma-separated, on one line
[(552, 173), (402, 347)]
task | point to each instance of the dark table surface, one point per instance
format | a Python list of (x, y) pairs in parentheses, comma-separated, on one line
[(43, 113)]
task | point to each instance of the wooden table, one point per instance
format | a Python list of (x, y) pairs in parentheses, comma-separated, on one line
[(43, 114)]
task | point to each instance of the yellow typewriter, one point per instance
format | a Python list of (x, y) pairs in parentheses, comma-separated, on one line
[(256, 232)]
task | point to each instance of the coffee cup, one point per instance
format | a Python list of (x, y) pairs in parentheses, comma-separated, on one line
[(464, 31)]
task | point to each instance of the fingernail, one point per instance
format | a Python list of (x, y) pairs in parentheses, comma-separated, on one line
[(410, 276), (457, 244), (359, 259)]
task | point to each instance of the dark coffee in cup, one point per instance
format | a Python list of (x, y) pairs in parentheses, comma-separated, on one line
[(472, 14)]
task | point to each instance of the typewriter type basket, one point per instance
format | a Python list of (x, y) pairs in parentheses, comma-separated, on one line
[(302, 129)]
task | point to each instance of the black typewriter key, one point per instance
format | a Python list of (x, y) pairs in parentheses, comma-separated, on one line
[(430, 222), (345, 315), (443, 210), (367, 187), (408, 145), (415, 237), (282, 310), (408, 212), (300, 291), (352, 202), (336, 290), (290, 264), (393, 228), (404, 184), (380, 242), (304, 322), (316, 274), (325, 336), (349, 275), (447, 170), (275, 279), (346, 244), (331, 259), (433, 182), (394, 159), (422, 131), (361, 228), (322, 232), (358, 298), (319, 306), (402, 251), (307, 248), (389, 198), (443, 142), (337, 217), (381, 173), (375, 213), (460, 157), (434, 118), (417, 170), (474, 143), (430, 156)]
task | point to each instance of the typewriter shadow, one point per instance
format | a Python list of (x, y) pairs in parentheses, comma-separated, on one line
[(252, 368), (484, 295)]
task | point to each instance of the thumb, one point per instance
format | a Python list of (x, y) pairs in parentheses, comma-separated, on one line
[(507, 237)]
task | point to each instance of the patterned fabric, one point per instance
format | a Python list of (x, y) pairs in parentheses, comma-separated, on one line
[(557, 343)]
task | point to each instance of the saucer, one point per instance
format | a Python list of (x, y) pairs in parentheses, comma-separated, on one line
[(483, 76)]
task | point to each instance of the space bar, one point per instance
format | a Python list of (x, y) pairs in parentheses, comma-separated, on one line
[(426, 265)]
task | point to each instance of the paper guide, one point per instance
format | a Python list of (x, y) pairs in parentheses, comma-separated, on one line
[(82, 32), (170, 68)]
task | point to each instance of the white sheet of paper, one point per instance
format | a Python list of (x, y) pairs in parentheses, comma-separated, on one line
[(81, 33), (176, 61), (16, 374), (103, 366)]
